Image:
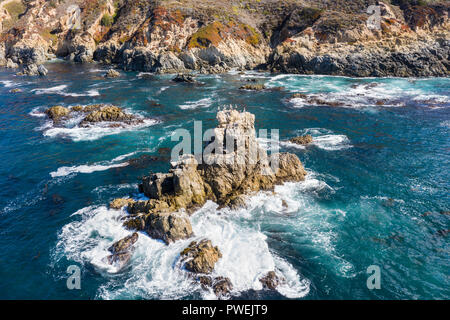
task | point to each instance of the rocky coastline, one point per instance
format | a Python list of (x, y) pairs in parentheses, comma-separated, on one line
[(295, 36)]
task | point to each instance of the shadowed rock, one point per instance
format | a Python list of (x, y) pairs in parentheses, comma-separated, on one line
[(122, 251)]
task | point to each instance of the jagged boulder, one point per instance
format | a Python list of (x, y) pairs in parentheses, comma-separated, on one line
[(302, 140), (168, 227), (112, 74), (57, 112), (122, 250), (200, 257), (271, 280)]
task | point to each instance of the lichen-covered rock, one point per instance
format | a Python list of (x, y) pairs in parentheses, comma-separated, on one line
[(302, 140), (57, 112), (200, 257), (168, 227), (108, 113), (120, 202), (271, 281)]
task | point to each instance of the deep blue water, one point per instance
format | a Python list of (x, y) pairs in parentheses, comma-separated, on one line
[(373, 172)]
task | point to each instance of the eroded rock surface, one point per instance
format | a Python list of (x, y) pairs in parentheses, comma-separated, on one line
[(200, 257), (302, 140), (122, 250)]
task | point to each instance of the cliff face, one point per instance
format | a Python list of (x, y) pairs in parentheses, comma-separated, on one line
[(296, 36)]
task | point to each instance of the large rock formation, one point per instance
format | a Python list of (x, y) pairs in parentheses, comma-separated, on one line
[(224, 176), (299, 36)]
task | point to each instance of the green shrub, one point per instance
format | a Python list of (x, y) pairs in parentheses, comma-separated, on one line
[(107, 20)]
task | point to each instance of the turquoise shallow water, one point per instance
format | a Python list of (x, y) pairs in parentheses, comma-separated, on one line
[(373, 171)]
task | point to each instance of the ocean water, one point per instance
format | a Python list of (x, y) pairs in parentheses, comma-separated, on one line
[(373, 172)]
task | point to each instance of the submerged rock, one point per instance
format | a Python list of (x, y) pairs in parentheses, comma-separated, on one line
[(302, 140), (200, 257)]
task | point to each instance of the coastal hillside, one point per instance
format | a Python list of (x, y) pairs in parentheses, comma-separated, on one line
[(411, 37)]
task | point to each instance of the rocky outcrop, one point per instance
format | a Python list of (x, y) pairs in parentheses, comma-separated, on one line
[(184, 78), (168, 227), (56, 113), (200, 257), (271, 281), (305, 36), (112, 74), (221, 286), (108, 113), (94, 113), (235, 167), (302, 140), (223, 177), (121, 251), (254, 87), (120, 202)]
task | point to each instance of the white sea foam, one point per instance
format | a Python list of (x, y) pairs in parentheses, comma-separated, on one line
[(155, 271), (61, 90), (99, 166), (65, 171), (332, 142), (205, 102), (7, 83), (328, 141)]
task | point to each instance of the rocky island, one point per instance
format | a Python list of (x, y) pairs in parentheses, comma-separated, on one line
[(175, 195), (291, 36)]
